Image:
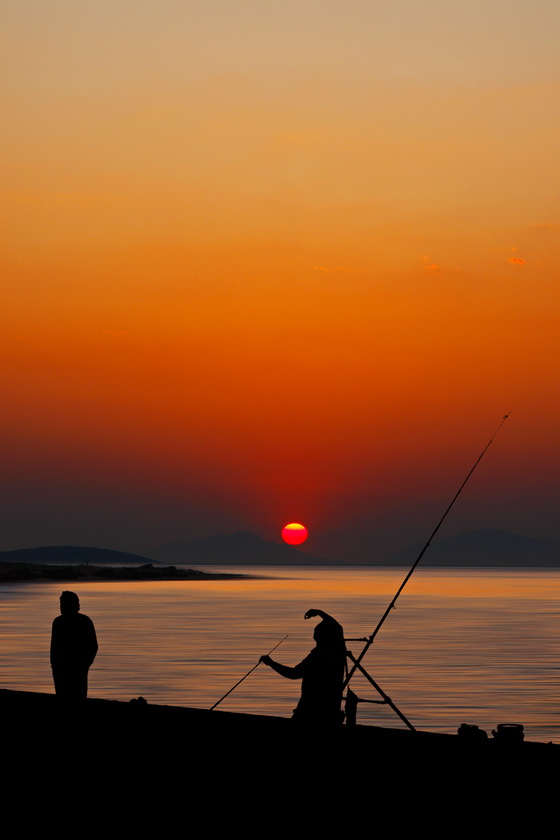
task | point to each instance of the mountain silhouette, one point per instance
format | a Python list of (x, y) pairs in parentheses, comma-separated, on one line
[(71, 554), (486, 547), (242, 549)]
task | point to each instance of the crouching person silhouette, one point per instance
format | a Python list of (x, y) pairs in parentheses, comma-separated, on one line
[(321, 673), (73, 649)]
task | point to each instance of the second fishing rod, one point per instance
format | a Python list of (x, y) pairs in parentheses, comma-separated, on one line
[(357, 660)]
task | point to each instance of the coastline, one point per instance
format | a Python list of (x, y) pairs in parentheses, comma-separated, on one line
[(49, 573)]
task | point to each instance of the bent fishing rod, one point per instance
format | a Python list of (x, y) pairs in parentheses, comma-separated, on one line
[(246, 675), (369, 642)]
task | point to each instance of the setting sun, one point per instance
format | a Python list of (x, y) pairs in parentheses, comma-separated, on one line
[(294, 533)]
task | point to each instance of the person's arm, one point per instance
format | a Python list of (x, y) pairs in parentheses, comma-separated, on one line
[(325, 616), (295, 673)]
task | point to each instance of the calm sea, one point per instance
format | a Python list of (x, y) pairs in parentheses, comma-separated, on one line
[(477, 646)]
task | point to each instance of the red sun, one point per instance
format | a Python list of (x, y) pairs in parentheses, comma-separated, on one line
[(294, 533)]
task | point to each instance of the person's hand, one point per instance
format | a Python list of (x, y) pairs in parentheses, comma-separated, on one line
[(265, 660)]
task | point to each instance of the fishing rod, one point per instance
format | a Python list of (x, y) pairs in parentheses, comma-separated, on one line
[(247, 674), (369, 642)]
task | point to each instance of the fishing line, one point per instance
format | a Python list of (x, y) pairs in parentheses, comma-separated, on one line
[(391, 606)]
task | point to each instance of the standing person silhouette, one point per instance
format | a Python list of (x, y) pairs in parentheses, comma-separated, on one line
[(73, 649), (321, 673)]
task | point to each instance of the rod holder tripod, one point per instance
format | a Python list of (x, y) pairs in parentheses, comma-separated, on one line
[(352, 699)]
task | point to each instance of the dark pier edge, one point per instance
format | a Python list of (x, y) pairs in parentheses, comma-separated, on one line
[(107, 731), (128, 769)]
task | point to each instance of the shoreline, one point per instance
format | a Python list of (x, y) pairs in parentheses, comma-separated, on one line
[(53, 573)]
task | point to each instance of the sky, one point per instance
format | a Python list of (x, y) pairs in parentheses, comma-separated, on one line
[(273, 262)]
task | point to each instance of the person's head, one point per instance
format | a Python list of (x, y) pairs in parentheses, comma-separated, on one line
[(69, 603), (328, 634)]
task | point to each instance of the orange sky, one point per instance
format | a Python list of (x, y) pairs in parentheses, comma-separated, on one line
[(274, 262)]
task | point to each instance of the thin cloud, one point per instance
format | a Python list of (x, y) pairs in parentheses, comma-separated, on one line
[(430, 267), (513, 260), (551, 227), (343, 269), (434, 268)]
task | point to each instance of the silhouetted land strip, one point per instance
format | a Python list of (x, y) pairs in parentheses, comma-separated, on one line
[(18, 572)]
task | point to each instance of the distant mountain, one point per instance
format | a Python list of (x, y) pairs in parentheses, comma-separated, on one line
[(475, 548), (486, 547), (240, 549), (71, 554)]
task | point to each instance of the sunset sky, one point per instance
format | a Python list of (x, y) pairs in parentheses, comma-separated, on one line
[(267, 262)]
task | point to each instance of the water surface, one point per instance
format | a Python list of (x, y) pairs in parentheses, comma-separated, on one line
[(477, 646)]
